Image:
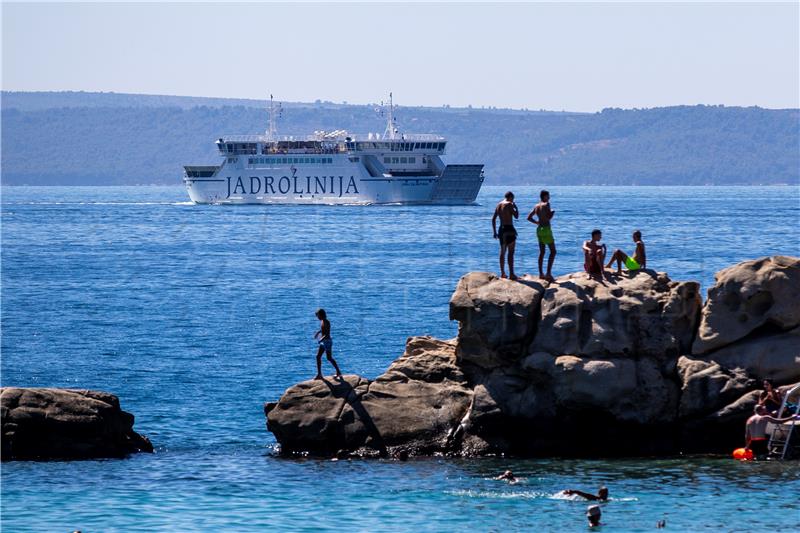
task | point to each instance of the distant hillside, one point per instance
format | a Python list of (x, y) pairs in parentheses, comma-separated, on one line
[(108, 138)]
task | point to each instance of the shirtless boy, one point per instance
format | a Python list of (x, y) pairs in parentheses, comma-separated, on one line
[(323, 335), (632, 263), (756, 430), (594, 255), (507, 211), (544, 233)]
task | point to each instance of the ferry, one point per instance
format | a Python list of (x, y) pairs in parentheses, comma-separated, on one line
[(333, 167)]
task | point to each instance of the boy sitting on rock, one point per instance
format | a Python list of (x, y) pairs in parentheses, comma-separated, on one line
[(632, 263), (594, 255)]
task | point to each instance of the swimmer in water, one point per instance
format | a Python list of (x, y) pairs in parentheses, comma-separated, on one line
[(508, 475), (593, 514), (601, 496)]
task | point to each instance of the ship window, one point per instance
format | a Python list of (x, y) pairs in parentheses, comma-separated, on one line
[(330, 160), (412, 159), (354, 159), (404, 160), (387, 159), (416, 146), (395, 160), (441, 146)]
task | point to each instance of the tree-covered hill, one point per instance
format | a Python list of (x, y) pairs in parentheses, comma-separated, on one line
[(106, 138)]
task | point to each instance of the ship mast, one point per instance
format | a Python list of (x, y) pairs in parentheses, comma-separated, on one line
[(390, 125), (274, 113)]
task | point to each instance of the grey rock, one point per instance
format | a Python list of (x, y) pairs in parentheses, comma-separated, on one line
[(49, 423), (748, 296), (640, 314), (496, 316)]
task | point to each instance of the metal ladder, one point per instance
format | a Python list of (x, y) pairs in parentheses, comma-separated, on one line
[(781, 437)]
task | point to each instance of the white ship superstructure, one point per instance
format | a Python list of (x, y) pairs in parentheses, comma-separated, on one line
[(333, 167)]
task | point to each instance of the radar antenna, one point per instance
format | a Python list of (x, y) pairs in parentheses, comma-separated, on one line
[(275, 112)]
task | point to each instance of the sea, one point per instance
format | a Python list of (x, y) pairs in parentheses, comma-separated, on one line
[(196, 315)]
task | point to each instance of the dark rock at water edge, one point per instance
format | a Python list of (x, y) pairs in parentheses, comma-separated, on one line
[(632, 365), (49, 423)]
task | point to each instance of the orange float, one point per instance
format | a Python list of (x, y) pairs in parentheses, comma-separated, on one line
[(743, 454)]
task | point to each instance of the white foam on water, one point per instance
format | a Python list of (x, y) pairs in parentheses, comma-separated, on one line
[(524, 494)]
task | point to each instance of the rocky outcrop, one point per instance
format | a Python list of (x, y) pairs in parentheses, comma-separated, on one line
[(753, 295), (571, 367), (66, 424), (413, 407), (645, 314), (497, 317)]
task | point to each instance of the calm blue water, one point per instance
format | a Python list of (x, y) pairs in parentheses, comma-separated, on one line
[(195, 315)]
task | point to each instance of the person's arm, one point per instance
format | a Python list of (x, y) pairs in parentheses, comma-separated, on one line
[(514, 210), (531, 215), (494, 222), (570, 492), (586, 247)]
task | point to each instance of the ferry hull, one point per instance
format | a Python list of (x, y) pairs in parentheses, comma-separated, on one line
[(457, 185)]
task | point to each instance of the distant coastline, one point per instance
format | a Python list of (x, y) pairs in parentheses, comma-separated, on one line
[(84, 138)]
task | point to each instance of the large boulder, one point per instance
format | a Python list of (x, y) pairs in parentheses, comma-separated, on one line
[(496, 317), (763, 293), (43, 423), (706, 386), (414, 407), (640, 314), (629, 390), (775, 357)]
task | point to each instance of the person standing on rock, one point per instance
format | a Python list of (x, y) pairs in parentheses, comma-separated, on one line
[(507, 211), (544, 233), (632, 263), (323, 335), (594, 255)]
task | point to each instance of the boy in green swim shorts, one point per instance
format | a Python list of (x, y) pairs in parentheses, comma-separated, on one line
[(639, 259), (544, 233)]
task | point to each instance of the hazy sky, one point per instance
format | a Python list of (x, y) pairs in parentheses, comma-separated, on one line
[(580, 57)]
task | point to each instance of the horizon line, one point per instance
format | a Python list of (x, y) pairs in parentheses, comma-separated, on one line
[(441, 106)]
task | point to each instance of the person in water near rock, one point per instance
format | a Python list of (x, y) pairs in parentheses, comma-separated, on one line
[(771, 398), (632, 263), (323, 335), (509, 476), (755, 434), (544, 233), (507, 211), (593, 514), (594, 255), (601, 496)]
